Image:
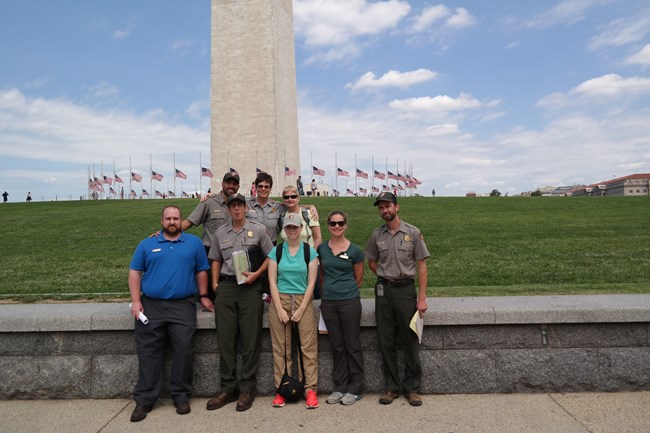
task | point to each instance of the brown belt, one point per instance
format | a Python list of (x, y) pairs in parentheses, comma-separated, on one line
[(396, 283)]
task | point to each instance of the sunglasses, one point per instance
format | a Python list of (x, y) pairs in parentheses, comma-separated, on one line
[(336, 223), (263, 186), (292, 197)]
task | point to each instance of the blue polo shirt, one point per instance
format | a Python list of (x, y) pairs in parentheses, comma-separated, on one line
[(169, 267)]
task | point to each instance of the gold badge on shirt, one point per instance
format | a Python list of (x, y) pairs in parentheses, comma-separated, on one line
[(407, 238), (250, 234)]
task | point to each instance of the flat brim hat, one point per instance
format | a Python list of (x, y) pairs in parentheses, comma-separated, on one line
[(234, 198), (230, 176), (386, 196), (292, 219)]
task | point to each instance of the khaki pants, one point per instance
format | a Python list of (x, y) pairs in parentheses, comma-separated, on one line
[(308, 341)]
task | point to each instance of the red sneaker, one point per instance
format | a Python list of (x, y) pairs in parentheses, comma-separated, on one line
[(312, 400), (278, 401)]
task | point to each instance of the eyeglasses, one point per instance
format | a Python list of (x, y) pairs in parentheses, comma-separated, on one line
[(263, 186), (292, 197), (336, 223)]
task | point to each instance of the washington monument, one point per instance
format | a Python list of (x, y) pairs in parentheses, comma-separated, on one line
[(254, 119)]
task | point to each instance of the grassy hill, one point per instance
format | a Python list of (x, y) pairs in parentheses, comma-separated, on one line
[(479, 246)]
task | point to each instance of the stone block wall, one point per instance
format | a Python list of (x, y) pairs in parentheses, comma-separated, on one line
[(470, 345)]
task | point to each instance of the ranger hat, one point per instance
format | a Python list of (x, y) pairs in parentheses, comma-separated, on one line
[(292, 219)]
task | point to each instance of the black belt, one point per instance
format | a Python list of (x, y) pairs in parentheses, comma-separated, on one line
[(396, 283), (224, 277)]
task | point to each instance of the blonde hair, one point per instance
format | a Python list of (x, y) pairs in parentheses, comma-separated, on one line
[(291, 188)]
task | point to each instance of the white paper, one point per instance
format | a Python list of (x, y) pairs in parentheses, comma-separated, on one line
[(322, 329), (141, 317), (417, 325), (241, 264)]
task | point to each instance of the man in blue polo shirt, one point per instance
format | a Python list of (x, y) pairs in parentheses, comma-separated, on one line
[(163, 278)]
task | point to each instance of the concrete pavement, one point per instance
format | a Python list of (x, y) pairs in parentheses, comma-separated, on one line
[(449, 413)]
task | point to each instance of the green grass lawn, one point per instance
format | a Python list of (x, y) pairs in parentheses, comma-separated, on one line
[(479, 246)]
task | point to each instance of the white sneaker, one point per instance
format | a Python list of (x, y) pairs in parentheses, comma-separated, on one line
[(334, 397), (349, 399)]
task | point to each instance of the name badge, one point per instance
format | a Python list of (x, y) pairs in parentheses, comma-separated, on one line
[(344, 256), (156, 250)]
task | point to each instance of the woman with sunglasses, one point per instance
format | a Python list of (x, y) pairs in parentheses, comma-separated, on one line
[(292, 286), (311, 228), (341, 269)]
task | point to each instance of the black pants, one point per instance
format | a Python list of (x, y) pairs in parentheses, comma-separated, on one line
[(343, 321), (177, 319)]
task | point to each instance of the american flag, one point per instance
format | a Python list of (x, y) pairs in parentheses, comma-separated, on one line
[(375, 189), (289, 171), (349, 191), (379, 175), (108, 180), (185, 195), (171, 193), (234, 171), (340, 172), (206, 172), (136, 177), (363, 191), (258, 170), (118, 179), (156, 176), (111, 190), (362, 174), (99, 181), (317, 171), (392, 176), (180, 174), (144, 192), (158, 193), (401, 177), (133, 194), (94, 186)]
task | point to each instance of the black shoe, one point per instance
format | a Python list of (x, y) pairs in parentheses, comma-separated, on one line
[(140, 412), (183, 407)]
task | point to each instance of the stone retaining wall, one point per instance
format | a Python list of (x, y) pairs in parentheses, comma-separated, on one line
[(470, 345)]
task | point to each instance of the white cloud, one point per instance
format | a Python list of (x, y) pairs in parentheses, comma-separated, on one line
[(430, 16), (640, 58), (613, 85), (337, 22), (121, 34), (461, 18), (442, 129), (609, 86), (564, 13), (392, 79), (104, 89), (442, 16), (440, 103), (60, 131), (622, 31), (181, 46)]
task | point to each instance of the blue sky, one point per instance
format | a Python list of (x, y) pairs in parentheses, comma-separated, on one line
[(468, 96)]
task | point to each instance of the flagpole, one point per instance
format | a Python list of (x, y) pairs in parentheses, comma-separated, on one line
[(336, 172), (174, 157), (372, 186), (200, 173), (130, 178)]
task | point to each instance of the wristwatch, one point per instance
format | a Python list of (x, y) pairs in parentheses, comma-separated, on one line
[(204, 296)]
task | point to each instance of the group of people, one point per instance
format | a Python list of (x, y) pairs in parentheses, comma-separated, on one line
[(170, 268)]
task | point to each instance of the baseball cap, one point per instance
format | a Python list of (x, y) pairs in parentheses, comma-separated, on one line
[(230, 176), (292, 219), (386, 196), (236, 197)]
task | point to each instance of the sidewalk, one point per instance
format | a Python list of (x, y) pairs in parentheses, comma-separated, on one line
[(474, 413)]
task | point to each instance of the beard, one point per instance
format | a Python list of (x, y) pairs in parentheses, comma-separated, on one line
[(171, 230), (389, 216)]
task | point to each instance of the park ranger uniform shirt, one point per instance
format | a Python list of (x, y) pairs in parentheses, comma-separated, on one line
[(212, 214), (226, 241), (396, 254)]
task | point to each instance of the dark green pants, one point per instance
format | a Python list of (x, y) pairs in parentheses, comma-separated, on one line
[(238, 311), (393, 313)]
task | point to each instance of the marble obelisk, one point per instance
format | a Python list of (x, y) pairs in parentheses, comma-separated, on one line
[(254, 118)]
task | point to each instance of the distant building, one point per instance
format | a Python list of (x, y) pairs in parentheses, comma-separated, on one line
[(470, 194), (631, 185)]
